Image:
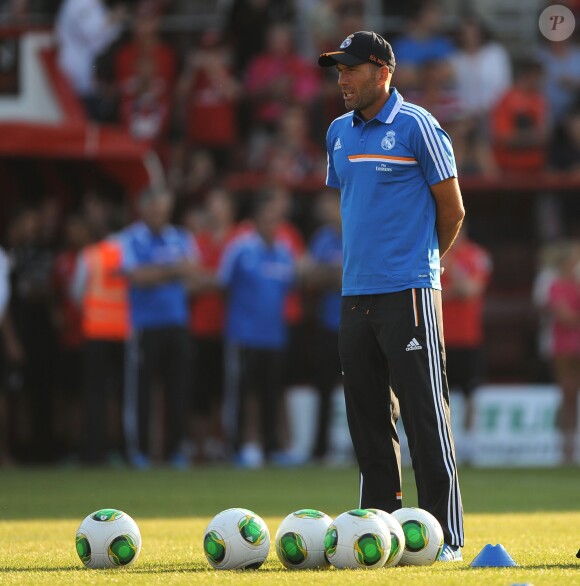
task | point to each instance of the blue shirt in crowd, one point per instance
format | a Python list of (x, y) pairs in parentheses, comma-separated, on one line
[(326, 249), (384, 169), (258, 278), (165, 304), (410, 51)]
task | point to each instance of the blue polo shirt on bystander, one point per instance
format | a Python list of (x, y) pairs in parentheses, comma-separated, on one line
[(258, 278), (165, 304)]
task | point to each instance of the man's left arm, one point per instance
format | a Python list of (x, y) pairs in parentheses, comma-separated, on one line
[(450, 212), (434, 152)]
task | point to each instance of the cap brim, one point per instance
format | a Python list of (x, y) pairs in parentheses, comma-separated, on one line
[(331, 59)]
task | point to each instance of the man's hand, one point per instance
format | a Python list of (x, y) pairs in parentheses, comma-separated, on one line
[(153, 275)]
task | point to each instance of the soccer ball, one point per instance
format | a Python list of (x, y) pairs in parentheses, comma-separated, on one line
[(397, 537), (108, 538), (423, 536), (357, 539), (300, 539), (236, 539)]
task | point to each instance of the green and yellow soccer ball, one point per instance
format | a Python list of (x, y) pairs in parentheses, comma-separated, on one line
[(108, 538), (423, 536), (357, 539), (397, 537), (300, 540), (236, 539)]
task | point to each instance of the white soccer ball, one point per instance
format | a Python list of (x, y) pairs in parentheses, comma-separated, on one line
[(423, 536), (300, 539), (236, 539), (108, 538), (397, 537), (357, 539)]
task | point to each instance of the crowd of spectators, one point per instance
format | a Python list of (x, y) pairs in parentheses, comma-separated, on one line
[(247, 98), (148, 341)]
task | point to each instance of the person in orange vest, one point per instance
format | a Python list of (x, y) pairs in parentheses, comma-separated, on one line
[(101, 291)]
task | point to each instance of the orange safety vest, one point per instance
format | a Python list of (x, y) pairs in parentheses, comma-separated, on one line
[(105, 304)]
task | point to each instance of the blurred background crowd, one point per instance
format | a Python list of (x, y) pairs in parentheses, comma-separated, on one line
[(229, 97)]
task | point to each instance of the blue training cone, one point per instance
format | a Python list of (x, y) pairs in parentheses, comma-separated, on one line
[(493, 556)]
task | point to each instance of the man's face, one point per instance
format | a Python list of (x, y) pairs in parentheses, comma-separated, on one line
[(156, 212), (267, 221), (359, 85)]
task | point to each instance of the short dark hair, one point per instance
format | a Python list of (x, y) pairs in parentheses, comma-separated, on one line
[(151, 193), (474, 19), (527, 65), (261, 202), (423, 6)]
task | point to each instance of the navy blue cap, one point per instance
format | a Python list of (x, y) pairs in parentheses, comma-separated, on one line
[(361, 47)]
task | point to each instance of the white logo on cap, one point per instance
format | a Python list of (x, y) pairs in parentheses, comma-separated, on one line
[(346, 42), (388, 141)]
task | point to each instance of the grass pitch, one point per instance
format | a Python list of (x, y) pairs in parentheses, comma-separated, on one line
[(535, 514)]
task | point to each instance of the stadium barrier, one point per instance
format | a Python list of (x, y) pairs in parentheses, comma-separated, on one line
[(514, 425)]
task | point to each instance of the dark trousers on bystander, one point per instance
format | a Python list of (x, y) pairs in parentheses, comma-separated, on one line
[(157, 356)]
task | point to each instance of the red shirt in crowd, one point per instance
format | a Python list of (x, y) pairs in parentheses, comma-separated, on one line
[(519, 110), (159, 55), (145, 76), (462, 316), (211, 109), (291, 79), (208, 309), (71, 336)]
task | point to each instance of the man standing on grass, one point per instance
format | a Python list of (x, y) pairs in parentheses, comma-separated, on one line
[(159, 259), (401, 210), (257, 270)]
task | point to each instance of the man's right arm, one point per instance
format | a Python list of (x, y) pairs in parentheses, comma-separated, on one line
[(153, 275), (141, 272)]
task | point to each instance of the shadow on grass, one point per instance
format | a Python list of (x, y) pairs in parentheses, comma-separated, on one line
[(188, 569), (46, 570), (175, 569), (520, 567)]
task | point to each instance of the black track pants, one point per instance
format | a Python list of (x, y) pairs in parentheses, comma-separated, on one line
[(393, 359), (157, 355)]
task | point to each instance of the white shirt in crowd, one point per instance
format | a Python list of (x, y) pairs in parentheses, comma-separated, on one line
[(83, 30), (481, 78)]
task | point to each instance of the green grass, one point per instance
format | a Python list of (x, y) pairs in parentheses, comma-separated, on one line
[(535, 514)]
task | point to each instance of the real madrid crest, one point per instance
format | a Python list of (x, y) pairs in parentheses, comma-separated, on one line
[(346, 42), (388, 141)]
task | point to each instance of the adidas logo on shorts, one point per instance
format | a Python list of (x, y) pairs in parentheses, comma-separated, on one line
[(414, 345)]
